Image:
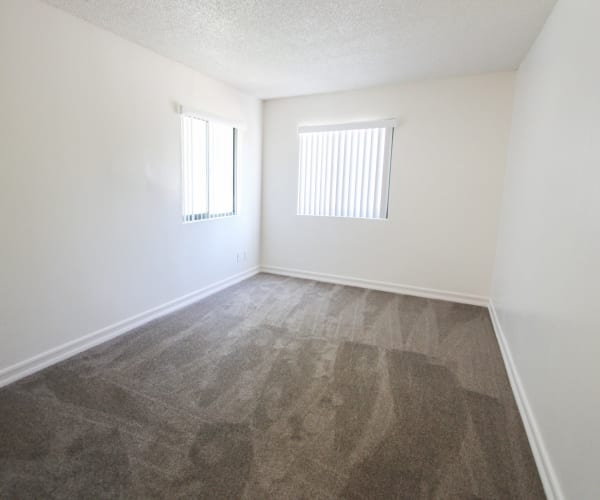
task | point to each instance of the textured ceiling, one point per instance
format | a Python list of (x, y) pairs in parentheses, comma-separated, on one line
[(274, 48)]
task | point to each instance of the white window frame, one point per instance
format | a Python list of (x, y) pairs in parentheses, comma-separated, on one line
[(383, 210), (238, 127)]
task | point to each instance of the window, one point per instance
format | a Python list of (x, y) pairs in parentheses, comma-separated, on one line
[(209, 159), (344, 170)]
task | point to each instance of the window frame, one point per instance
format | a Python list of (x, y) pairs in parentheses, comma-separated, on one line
[(185, 111), (388, 124)]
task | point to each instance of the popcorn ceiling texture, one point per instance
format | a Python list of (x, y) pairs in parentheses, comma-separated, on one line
[(274, 48)]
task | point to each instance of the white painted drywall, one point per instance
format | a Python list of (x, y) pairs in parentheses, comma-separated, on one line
[(448, 165), (90, 219), (547, 278)]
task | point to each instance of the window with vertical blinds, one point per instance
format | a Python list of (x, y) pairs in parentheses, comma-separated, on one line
[(344, 170), (208, 168)]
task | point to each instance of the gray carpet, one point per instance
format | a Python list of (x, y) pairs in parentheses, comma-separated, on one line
[(276, 388)]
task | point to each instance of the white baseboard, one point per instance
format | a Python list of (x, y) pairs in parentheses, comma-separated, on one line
[(383, 286), (69, 349), (64, 351), (540, 454)]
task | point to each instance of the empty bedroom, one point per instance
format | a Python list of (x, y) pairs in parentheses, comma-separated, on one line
[(300, 249)]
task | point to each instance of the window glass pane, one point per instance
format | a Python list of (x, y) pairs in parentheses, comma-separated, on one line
[(208, 168), (221, 169), (194, 171)]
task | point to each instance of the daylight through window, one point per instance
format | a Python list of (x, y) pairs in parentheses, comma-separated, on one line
[(344, 170), (208, 168)]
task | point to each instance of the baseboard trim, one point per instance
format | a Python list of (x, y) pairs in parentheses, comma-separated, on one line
[(383, 286), (64, 351), (69, 349), (540, 454)]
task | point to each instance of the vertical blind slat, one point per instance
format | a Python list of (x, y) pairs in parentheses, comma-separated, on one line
[(353, 174), (305, 194), (323, 178), (340, 180), (334, 171), (366, 174), (301, 175), (368, 168), (358, 171), (373, 172), (328, 174), (379, 179), (378, 186), (320, 171), (347, 174), (313, 173)]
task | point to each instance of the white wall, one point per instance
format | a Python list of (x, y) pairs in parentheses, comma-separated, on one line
[(547, 278), (90, 217), (448, 167)]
